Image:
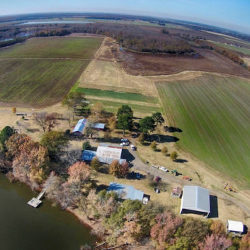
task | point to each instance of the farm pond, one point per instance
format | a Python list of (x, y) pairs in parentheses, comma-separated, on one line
[(46, 227)]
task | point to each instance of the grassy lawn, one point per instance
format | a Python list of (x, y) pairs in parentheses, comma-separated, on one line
[(42, 82), (54, 47), (113, 106), (242, 50), (118, 95), (214, 114)]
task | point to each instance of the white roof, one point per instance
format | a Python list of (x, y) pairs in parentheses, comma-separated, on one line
[(235, 226), (195, 198), (107, 153)]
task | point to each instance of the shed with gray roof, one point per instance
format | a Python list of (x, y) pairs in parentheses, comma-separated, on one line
[(195, 199)]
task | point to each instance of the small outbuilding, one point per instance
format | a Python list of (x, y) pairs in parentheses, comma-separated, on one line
[(125, 191), (98, 126), (80, 126), (236, 227), (196, 200)]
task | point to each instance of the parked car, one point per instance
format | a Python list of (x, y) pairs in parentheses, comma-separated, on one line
[(153, 166), (124, 144), (163, 169)]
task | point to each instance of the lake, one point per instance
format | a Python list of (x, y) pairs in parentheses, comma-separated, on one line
[(45, 228)]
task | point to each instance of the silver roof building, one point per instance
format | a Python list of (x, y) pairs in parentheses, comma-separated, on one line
[(195, 199)]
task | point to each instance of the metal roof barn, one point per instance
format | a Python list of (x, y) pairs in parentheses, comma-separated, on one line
[(80, 126), (107, 154), (235, 226), (126, 191), (195, 199)]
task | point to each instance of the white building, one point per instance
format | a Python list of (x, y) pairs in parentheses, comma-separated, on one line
[(235, 227)]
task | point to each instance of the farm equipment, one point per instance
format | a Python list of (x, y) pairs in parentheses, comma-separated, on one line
[(174, 172), (229, 187), (187, 178), (176, 192)]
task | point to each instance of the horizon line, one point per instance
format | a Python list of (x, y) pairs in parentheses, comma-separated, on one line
[(130, 14)]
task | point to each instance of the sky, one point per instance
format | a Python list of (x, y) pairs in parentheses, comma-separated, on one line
[(233, 14)]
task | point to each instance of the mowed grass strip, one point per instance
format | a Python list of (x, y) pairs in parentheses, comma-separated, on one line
[(54, 47), (118, 95), (214, 114), (113, 106)]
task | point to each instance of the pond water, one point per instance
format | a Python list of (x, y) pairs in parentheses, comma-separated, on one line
[(45, 228), (55, 22)]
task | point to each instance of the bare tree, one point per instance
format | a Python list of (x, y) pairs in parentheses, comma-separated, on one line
[(46, 121)]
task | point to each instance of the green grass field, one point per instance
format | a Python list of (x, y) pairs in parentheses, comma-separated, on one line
[(54, 47), (242, 50), (30, 74), (113, 106), (214, 114), (118, 95)]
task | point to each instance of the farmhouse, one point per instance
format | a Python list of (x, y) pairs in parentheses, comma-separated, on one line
[(236, 227), (105, 154), (126, 192), (80, 126), (195, 199)]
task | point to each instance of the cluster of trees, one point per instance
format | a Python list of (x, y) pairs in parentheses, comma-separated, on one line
[(139, 38), (55, 32), (11, 42), (146, 125), (30, 160)]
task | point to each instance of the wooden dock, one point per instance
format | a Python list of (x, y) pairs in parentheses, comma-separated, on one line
[(36, 201)]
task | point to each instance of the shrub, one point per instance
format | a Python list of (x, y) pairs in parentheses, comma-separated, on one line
[(173, 156), (153, 145), (119, 170), (164, 150), (142, 138), (86, 145), (95, 164)]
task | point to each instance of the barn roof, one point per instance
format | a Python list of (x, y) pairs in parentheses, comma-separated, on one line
[(235, 226), (195, 198), (98, 126), (126, 191), (80, 125), (108, 153)]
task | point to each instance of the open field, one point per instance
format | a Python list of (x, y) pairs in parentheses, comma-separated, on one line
[(54, 47), (41, 71), (149, 65), (214, 114), (241, 50), (108, 75)]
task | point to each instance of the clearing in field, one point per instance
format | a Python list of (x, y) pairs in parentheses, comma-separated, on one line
[(214, 114), (41, 71)]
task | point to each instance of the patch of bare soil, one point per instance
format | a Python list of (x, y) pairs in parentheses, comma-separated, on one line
[(209, 61)]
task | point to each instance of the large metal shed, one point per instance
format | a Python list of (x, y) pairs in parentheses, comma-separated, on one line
[(195, 199)]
